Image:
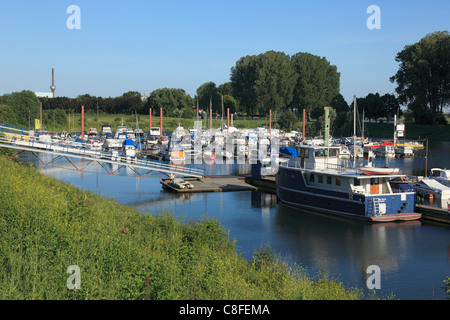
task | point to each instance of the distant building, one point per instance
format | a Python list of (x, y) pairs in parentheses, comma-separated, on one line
[(44, 94)]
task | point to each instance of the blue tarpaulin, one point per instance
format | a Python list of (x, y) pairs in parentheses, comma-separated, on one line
[(289, 151)]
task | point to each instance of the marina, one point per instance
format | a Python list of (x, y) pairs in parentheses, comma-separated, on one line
[(413, 256), (242, 194)]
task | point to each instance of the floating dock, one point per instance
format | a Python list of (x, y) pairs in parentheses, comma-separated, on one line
[(433, 213), (210, 184)]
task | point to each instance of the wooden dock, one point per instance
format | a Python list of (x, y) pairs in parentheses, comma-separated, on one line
[(267, 184), (211, 184), (433, 213)]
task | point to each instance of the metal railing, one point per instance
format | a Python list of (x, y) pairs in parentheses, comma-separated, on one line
[(83, 151)]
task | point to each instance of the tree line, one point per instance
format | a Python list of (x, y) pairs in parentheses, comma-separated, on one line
[(278, 82)]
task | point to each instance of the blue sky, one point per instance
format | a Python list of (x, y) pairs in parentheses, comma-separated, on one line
[(145, 45)]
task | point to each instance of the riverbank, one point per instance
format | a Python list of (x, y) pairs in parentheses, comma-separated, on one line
[(47, 225)]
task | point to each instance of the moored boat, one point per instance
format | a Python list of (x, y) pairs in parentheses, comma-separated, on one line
[(316, 180), (430, 187)]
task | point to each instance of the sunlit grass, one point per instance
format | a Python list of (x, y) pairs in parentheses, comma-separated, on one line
[(47, 225)]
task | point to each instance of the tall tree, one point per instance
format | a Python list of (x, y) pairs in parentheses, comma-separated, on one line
[(263, 82), (423, 77), (243, 77), (208, 94), (275, 81), (317, 84), (171, 100)]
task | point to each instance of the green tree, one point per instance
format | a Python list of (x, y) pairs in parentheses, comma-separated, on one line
[(243, 78), (288, 120), (172, 101), (317, 84), (25, 105), (275, 81), (263, 82), (338, 126), (7, 115), (423, 77), (132, 94), (208, 94)]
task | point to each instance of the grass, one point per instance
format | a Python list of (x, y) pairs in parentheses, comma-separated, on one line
[(383, 130), (169, 124), (47, 225)]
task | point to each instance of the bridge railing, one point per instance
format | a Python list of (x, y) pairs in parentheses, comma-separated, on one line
[(82, 149)]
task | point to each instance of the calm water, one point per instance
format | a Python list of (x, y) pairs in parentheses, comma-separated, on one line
[(414, 257)]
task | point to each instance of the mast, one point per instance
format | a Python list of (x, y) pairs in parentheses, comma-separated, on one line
[(221, 122), (354, 131)]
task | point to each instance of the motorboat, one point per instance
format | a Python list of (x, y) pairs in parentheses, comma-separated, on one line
[(430, 187), (441, 175)]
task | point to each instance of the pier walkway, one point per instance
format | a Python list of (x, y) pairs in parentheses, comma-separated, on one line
[(65, 150)]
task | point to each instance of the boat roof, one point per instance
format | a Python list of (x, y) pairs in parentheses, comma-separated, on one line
[(348, 173)]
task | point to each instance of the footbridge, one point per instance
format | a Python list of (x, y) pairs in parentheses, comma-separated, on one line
[(19, 139)]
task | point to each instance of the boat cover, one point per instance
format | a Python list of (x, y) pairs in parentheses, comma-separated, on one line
[(289, 151)]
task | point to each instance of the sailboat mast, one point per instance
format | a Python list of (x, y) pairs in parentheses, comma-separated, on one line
[(354, 131)]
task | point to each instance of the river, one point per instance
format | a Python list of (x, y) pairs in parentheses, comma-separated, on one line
[(413, 257)]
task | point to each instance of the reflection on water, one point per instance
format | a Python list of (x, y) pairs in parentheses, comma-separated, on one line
[(414, 257)]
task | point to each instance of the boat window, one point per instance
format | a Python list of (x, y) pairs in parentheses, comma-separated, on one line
[(329, 180), (333, 152), (303, 153), (320, 178), (311, 177), (338, 181), (319, 153), (356, 182)]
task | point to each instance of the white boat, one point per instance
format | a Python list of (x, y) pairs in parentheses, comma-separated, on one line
[(155, 131), (370, 170), (129, 148), (404, 151), (441, 175), (182, 184), (385, 151), (428, 186), (106, 129), (344, 152)]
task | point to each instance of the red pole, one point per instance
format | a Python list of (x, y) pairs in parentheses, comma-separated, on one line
[(228, 120), (149, 120), (160, 123), (82, 122), (270, 121), (303, 137)]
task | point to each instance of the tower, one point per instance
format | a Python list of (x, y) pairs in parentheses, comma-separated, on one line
[(52, 87)]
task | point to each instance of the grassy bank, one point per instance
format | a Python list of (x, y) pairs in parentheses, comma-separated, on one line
[(47, 226), (169, 124)]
